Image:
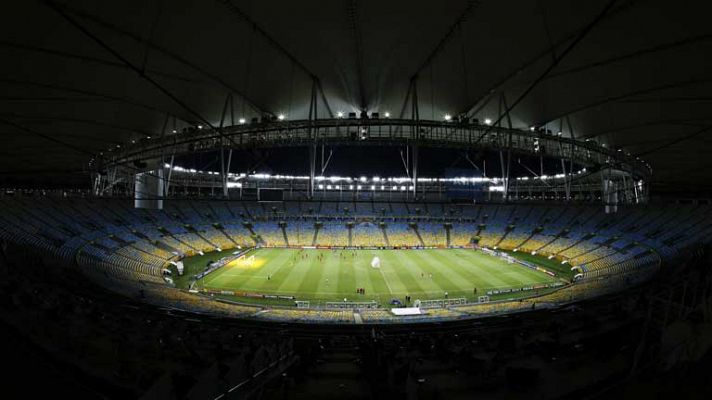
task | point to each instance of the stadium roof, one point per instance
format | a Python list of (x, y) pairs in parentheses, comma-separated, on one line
[(82, 76)]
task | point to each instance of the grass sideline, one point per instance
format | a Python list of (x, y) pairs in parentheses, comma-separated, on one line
[(332, 275)]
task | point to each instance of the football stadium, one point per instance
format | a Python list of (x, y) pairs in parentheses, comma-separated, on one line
[(240, 199)]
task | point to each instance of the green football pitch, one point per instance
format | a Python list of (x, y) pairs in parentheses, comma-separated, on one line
[(332, 275)]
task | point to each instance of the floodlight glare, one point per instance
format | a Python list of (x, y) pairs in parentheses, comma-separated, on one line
[(387, 114), (448, 117), (340, 114), (242, 120), (488, 121), (280, 117)]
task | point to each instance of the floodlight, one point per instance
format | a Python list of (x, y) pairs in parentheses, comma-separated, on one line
[(387, 114), (488, 121), (280, 117), (241, 120), (448, 117), (340, 114)]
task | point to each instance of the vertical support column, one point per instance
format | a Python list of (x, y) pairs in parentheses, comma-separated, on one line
[(609, 193), (148, 189), (504, 175), (415, 170), (97, 184), (567, 188), (312, 169), (167, 183), (226, 173)]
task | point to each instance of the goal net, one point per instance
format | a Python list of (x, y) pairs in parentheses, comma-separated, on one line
[(246, 261), (376, 262)]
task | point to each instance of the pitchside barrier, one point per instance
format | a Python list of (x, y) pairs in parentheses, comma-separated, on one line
[(507, 290), (347, 305), (325, 247), (442, 303), (302, 304)]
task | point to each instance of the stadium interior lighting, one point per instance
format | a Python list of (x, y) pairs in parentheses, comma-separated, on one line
[(488, 121), (281, 117), (340, 114), (531, 128), (174, 131), (387, 114), (200, 126), (242, 120), (448, 117)]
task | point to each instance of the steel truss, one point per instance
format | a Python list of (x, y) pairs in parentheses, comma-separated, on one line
[(613, 174)]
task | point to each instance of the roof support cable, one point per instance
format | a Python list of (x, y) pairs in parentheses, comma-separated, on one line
[(551, 67)]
